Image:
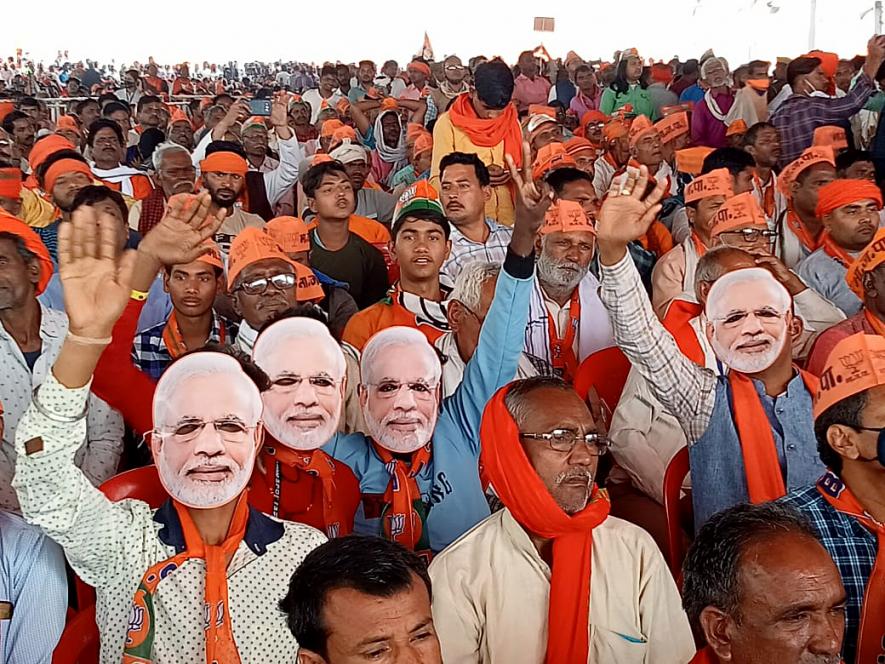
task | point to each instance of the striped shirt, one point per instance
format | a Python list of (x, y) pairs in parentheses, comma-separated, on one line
[(465, 251), (149, 352)]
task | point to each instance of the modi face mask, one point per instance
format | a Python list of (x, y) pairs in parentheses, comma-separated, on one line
[(747, 312), (307, 381), (399, 393), (207, 418)]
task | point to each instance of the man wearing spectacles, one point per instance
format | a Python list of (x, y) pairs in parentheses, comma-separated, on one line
[(849, 211), (845, 506), (541, 447), (740, 223), (454, 83)]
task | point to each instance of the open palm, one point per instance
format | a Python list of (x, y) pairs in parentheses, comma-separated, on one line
[(628, 212), (184, 231)]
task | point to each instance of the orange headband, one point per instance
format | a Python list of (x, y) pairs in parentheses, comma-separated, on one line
[(10, 182), (61, 167), (420, 66), (845, 192), (224, 162), (566, 217)]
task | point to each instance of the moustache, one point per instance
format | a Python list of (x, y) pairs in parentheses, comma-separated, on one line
[(574, 474), (203, 464)]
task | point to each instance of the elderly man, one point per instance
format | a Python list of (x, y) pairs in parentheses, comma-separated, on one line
[(609, 596), (371, 202), (255, 144), (810, 107), (711, 115), (849, 211), (108, 149), (484, 122), (418, 466), (207, 428), (361, 598), (180, 130), (31, 337), (844, 506), (174, 174), (750, 321), (759, 587)]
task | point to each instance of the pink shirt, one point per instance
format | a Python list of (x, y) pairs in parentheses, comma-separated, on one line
[(528, 91)]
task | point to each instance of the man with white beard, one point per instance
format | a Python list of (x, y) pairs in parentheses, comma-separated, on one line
[(567, 321), (750, 321), (201, 578), (293, 478)]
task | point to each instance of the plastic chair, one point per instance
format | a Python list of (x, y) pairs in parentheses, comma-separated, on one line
[(139, 483), (79, 642), (677, 510), (606, 370)]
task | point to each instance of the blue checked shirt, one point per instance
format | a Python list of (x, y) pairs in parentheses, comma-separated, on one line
[(465, 251), (149, 352), (853, 549)]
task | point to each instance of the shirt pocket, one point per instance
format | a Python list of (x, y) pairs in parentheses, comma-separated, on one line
[(621, 646)]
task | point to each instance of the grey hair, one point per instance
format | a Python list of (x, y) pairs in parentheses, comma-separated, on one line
[(517, 400), (165, 148), (26, 254), (705, 67), (468, 285), (709, 268)]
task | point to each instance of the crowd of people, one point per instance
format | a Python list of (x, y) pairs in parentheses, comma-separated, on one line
[(337, 364)]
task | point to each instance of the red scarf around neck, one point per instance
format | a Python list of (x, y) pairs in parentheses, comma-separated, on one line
[(677, 322), (403, 522), (174, 340), (562, 350)]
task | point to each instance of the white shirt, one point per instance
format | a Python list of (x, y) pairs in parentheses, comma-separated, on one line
[(491, 592), (98, 449), (315, 99), (111, 545)]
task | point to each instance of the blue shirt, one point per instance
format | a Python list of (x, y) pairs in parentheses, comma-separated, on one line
[(449, 483), (826, 275), (693, 93)]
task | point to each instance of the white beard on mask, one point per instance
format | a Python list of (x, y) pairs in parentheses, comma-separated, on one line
[(198, 494), (296, 437), (560, 274), (400, 443), (749, 363)]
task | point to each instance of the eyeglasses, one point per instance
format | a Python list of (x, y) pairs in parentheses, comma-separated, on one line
[(751, 235), (320, 384), (258, 286), (455, 67), (419, 391), (230, 430), (565, 440), (766, 316)]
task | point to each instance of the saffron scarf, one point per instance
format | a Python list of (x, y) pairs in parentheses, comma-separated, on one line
[(762, 469), (871, 637), (877, 325), (677, 321), (766, 194), (220, 645), (834, 251), (488, 133), (402, 523), (174, 340), (805, 238), (525, 495)]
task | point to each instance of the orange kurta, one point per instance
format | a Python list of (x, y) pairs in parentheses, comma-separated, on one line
[(380, 316)]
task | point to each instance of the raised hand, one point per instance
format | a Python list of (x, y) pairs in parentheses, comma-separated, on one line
[(782, 273), (626, 214), (183, 232), (532, 202), (96, 277)]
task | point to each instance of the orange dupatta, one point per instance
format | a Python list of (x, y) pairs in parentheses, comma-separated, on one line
[(765, 480), (174, 340), (562, 352), (402, 523), (530, 503), (877, 325), (834, 251), (488, 133), (799, 230), (677, 321), (220, 645)]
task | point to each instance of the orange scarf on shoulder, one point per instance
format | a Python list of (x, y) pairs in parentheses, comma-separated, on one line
[(174, 340), (677, 322), (403, 523), (765, 480), (488, 133), (220, 645), (525, 495), (807, 240), (877, 325), (834, 251)]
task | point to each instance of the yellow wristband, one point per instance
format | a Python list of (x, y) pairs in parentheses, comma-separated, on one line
[(138, 295)]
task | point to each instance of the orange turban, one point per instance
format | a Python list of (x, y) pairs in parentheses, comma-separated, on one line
[(640, 128), (577, 145), (856, 364), (417, 65), (740, 211), (424, 143), (616, 128), (45, 147), (673, 126), (32, 242), (691, 160), (566, 217), (68, 123), (248, 247), (714, 183), (810, 157), (541, 109), (830, 136), (845, 192), (62, 167), (829, 62), (389, 104), (327, 129), (590, 117), (868, 260), (737, 128), (413, 131), (224, 162), (10, 182), (291, 233), (549, 158)]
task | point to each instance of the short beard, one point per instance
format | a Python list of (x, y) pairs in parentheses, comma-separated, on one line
[(399, 443), (296, 439), (555, 280), (222, 203), (749, 364), (203, 495)]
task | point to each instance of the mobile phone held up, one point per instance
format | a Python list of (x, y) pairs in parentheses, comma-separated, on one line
[(260, 107)]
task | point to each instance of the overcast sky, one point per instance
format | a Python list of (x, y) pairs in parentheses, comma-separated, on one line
[(347, 30)]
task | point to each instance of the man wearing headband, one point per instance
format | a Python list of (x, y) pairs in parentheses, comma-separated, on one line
[(759, 587), (799, 228), (485, 123), (61, 175), (418, 465), (371, 202), (849, 211), (10, 189), (205, 584), (419, 246), (762, 142), (845, 506), (611, 597), (750, 322)]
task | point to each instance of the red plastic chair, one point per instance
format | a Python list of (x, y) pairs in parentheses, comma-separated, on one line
[(139, 483), (79, 643), (678, 512), (606, 370)]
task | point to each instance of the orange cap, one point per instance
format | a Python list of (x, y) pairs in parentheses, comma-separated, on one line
[(45, 147), (714, 183), (344, 133), (830, 136), (566, 217), (542, 109), (741, 211), (829, 62), (856, 364), (224, 162), (213, 256), (68, 123), (640, 128), (342, 106), (413, 131), (33, 243), (616, 128), (811, 156), (672, 126), (737, 128), (549, 158), (178, 115), (61, 167), (291, 233), (868, 260), (254, 121), (389, 104), (424, 143), (11, 182), (327, 129), (250, 246), (577, 145), (691, 160), (308, 287)]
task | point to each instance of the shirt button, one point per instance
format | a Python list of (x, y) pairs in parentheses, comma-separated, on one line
[(791, 447)]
